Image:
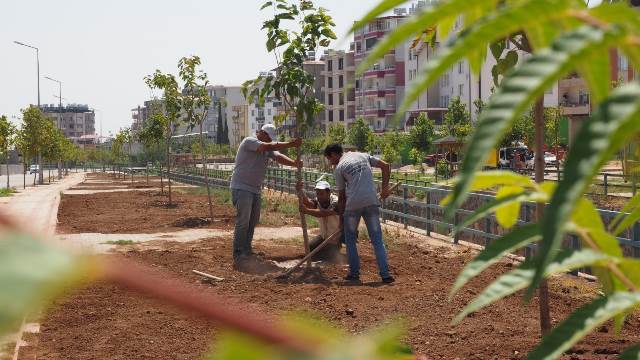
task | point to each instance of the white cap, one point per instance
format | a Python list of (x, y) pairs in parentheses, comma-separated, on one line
[(323, 185), (270, 130)]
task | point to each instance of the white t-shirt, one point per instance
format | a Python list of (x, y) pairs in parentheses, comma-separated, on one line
[(330, 224), (354, 175)]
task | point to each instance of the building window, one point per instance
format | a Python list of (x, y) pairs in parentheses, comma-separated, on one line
[(331, 115), (253, 113), (340, 64), (460, 90), (330, 99), (268, 111), (379, 125), (357, 84), (341, 115), (460, 67), (340, 82), (623, 63), (330, 82), (341, 98), (330, 65)]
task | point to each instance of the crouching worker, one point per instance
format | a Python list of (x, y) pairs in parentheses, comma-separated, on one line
[(323, 207)]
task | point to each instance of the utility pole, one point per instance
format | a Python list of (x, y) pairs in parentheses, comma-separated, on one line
[(60, 119), (40, 170)]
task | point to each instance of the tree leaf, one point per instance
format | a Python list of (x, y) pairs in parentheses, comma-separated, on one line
[(511, 242), (614, 121), (31, 273), (632, 353), (430, 16), (521, 277), (501, 24), (628, 216), (596, 72), (507, 214), (380, 9), (518, 91), (582, 322), (490, 206)]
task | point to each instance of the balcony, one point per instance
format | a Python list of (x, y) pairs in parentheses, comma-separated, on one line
[(573, 109), (572, 82)]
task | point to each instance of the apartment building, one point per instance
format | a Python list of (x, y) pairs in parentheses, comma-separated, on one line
[(574, 97), (239, 129), (339, 88), (76, 121), (141, 114), (223, 100), (380, 89), (458, 82)]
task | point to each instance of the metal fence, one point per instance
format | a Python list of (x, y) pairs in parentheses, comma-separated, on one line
[(416, 208)]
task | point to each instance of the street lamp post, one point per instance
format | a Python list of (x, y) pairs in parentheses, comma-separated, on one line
[(40, 170), (60, 120)]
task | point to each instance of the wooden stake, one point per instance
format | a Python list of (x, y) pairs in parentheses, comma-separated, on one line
[(303, 219), (208, 276)]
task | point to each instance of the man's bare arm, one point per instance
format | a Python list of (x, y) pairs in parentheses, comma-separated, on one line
[(319, 213), (386, 175), (287, 161), (277, 146), (305, 199)]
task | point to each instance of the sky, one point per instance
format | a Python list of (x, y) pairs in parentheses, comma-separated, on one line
[(101, 50)]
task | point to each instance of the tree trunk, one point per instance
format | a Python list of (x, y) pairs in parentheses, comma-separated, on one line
[(24, 176), (40, 170), (6, 161), (543, 292), (303, 219), (161, 177), (169, 167), (206, 175)]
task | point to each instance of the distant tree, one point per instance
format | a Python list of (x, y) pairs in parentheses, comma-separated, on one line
[(457, 120), (33, 135), (359, 135), (196, 103), (336, 134), (422, 134), (7, 139), (171, 115)]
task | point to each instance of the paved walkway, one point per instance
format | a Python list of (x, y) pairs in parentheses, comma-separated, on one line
[(37, 207)]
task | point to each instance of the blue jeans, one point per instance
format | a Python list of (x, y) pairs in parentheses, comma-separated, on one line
[(371, 215), (247, 206)]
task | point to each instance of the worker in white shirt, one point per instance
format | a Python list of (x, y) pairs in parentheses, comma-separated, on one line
[(323, 207)]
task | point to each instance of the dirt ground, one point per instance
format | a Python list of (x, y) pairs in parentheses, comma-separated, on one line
[(103, 321), (137, 212)]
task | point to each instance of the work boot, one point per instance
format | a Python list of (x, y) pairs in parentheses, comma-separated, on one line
[(353, 279), (388, 280)]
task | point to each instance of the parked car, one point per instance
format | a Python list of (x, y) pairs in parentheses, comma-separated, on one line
[(33, 169), (507, 154), (550, 159)]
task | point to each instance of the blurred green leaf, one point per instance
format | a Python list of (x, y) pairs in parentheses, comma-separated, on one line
[(512, 241), (521, 277), (31, 273), (581, 322), (613, 122), (519, 89), (508, 214), (632, 353)]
